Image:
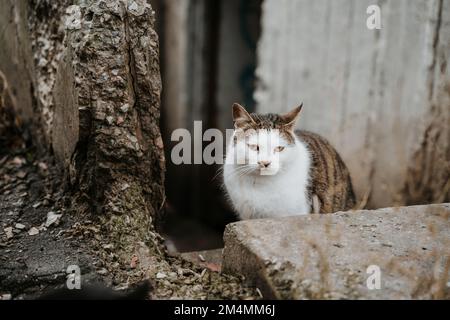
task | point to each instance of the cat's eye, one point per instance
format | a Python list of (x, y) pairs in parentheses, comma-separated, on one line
[(253, 147), (279, 149)]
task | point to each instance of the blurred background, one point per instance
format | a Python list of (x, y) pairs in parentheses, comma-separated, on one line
[(208, 61), (381, 96)]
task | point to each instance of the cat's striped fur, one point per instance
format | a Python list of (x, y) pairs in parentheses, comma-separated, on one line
[(329, 177)]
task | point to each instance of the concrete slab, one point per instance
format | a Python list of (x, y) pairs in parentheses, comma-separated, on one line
[(406, 250)]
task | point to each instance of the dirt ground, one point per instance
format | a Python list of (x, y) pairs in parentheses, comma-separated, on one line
[(33, 253), (41, 235)]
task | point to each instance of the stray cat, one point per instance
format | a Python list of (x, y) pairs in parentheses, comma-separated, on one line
[(273, 171)]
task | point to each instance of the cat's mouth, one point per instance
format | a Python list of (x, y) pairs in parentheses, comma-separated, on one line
[(268, 171), (261, 170), (255, 170)]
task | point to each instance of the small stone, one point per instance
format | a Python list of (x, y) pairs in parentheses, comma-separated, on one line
[(33, 231), (125, 108), (197, 287), (36, 205), (134, 262), (160, 275), (52, 218), (43, 166), (18, 203), (5, 296), (102, 271), (9, 233), (18, 161), (22, 174), (108, 246), (110, 120), (20, 226)]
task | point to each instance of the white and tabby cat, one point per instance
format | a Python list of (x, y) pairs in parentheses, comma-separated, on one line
[(273, 171)]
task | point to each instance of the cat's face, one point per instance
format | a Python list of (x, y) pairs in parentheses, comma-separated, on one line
[(263, 144), (265, 151)]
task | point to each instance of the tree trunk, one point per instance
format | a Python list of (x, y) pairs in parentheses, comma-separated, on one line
[(106, 116), (88, 87), (95, 94)]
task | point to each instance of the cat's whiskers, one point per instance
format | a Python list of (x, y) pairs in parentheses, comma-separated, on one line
[(240, 171), (218, 172), (245, 172)]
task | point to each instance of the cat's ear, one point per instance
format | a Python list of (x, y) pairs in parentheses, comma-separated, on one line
[(290, 118), (240, 116)]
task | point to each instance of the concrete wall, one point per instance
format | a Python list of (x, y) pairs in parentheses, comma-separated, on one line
[(239, 31), (15, 57), (380, 96)]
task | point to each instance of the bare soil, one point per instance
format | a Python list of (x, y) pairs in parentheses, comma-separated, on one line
[(34, 257)]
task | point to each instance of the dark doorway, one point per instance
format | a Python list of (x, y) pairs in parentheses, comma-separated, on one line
[(208, 60)]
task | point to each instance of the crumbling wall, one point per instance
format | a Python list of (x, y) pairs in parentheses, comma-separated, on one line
[(380, 96)]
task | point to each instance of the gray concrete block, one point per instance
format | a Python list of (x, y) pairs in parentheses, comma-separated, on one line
[(328, 256)]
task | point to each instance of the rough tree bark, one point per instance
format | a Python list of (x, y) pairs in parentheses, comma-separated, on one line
[(89, 88), (90, 85), (106, 115)]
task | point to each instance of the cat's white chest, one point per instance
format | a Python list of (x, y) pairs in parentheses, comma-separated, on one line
[(284, 194), (254, 200)]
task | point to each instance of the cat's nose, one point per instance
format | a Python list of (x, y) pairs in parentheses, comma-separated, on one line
[(264, 164)]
